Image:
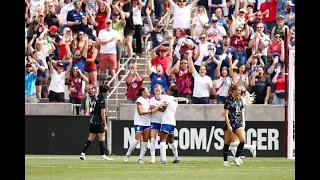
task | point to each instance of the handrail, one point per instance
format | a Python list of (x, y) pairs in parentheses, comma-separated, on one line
[(146, 44)]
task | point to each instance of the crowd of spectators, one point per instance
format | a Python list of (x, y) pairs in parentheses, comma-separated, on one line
[(212, 44)]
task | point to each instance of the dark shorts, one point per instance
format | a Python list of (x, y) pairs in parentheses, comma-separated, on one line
[(96, 128), (234, 126), (158, 8), (89, 71), (53, 96), (198, 100), (221, 98), (119, 49), (38, 82), (128, 32), (273, 87), (45, 73)]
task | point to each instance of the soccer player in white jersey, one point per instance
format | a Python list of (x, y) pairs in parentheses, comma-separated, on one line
[(168, 124), (141, 123), (155, 119)]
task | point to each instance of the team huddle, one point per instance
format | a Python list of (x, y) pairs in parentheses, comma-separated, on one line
[(153, 116)]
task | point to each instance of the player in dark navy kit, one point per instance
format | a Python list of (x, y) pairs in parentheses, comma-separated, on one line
[(98, 123), (235, 123)]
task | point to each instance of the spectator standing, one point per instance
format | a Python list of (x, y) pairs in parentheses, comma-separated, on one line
[(279, 81), (74, 17), (134, 82), (118, 24), (90, 67), (107, 39), (87, 103), (129, 29), (57, 83), (182, 15), (51, 18), (102, 15), (260, 86), (198, 22), (269, 11), (30, 76), (223, 82), (289, 16), (157, 31), (202, 83), (280, 28), (137, 22)]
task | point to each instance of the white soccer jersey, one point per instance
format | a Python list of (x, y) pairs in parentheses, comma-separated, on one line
[(168, 116), (142, 120), (157, 116)]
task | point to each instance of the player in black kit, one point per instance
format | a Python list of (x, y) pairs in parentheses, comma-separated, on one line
[(98, 123), (235, 123)]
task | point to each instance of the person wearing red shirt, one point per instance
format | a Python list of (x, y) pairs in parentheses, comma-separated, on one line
[(279, 81), (133, 83), (103, 13), (162, 59), (269, 10)]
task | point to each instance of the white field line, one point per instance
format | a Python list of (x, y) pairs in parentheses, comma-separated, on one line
[(182, 168)]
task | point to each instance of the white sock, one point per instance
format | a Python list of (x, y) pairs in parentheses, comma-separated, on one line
[(174, 150), (163, 149), (132, 146), (153, 149), (143, 149), (249, 147), (233, 150), (235, 144)]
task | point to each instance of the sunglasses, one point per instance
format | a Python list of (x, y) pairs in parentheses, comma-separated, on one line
[(28, 66), (202, 38), (277, 36), (259, 27), (116, 14), (239, 30), (209, 49), (81, 34)]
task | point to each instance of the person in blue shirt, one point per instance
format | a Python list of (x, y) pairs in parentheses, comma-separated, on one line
[(30, 75)]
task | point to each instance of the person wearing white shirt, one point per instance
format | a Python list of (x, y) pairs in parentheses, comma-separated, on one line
[(198, 21), (182, 15), (202, 83), (141, 123), (57, 83), (107, 39), (168, 123), (155, 119)]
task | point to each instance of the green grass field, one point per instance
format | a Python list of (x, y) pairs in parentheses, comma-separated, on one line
[(47, 167)]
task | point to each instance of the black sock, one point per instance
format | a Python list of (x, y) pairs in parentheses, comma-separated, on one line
[(103, 147), (225, 151), (239, 149), (86, 145)]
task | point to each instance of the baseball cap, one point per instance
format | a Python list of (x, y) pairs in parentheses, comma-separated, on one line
[(289, 3), (243, 10), (76, 3), (53, 28), (206, 26), (280, 16), (59, 63), (214, 19), (275, 54), (249, 5), (162, 48), (108, 20)]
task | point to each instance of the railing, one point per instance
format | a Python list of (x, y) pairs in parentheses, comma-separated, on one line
[(146, 45), (115, 78)]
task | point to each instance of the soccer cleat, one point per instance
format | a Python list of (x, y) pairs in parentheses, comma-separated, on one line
[(126, 158), (236, 161), (83, 156), (152, 162), (225, 163), (163, 162), (240, 161), (104, 157), (140, 161), (254, 152), (176, 161)]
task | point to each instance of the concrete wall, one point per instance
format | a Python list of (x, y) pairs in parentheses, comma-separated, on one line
[(59, 109), (209, 112)]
